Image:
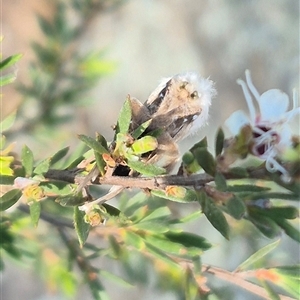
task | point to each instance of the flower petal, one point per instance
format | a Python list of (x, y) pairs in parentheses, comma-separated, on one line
[(273, 104), (236, 121)]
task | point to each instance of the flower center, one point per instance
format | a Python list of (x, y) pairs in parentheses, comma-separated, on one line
[(264, 140)]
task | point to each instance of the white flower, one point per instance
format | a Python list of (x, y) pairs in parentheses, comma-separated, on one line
[(271, 132)]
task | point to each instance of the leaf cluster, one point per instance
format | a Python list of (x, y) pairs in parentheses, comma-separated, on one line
[(61, 74)]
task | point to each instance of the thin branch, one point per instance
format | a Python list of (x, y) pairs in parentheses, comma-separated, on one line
[(238, 279), (158, 182)]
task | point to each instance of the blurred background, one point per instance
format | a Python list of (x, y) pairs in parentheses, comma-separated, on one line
[(142, 41)]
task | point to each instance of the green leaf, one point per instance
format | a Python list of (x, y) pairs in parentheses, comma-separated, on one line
[(101, 164), (159, 213), (158, 253), (116, 279), (59, 155), (278, 213), (219, 141), (288, 278), (214, 214), (8, 122), (144, 145), (101, 139), (133, 240), (27, 160), (160, 242), (159, 227), (45, 26), (191, 217), (35, 211), (9, 199), (246, 188), (9, 61), (250, 261), (273, 195), (236, 207), (290, 230), (111, 210), (7, 79), (81, 227), (124, 118), (205, 160), (141, 129), (265, 225), (146, 169), (190, 196), (57, 187), (42, 167), (116, 248), (70, 200), (6, 180), (202, 144), (188, 240), (220, 182), (272, 294), (92, 143), (239, 172)]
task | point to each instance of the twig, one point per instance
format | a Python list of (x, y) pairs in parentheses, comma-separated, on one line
[(158, 182), (238, 279)]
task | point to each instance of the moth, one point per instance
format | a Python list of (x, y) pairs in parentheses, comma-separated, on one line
[(179, 106)]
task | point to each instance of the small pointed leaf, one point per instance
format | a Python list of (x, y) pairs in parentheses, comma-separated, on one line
[(189, 196), (265, 225), (219, 141), (6, 180), (27, 160), (205, 160), (236, 207), (81, 227), (251, 261), (124, 118), (146, 169), (290, 230), (35, 211), (92, 143), (42, 167), (144, 145), (214, 214), (9, 61), (9, 199), (141, 129), (8, 121), (59, 155)]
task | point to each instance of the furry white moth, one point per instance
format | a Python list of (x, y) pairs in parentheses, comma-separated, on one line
[(180, 104)]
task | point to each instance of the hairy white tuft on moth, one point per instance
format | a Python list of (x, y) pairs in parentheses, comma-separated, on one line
[(180, 104)]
